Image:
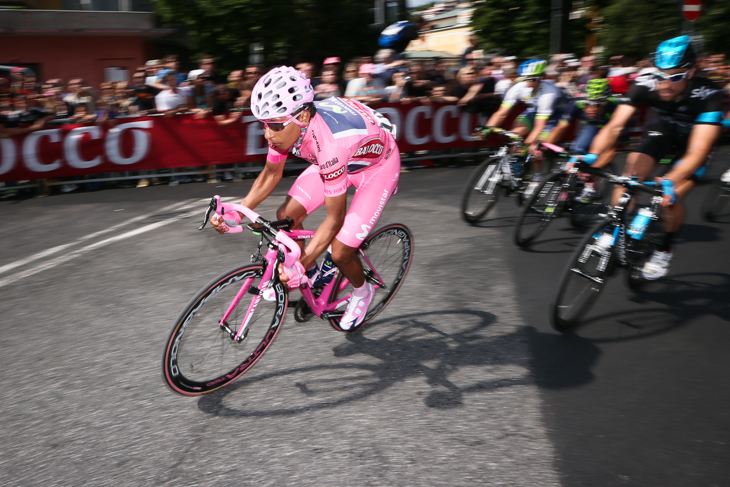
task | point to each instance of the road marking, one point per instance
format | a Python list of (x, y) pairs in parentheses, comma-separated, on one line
[(45, 253), (97, 245)]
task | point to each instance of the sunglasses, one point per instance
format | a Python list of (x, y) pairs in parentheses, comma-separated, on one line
[(279, 126), (674, 78), (532, 79), (594, 103), (252, 72)]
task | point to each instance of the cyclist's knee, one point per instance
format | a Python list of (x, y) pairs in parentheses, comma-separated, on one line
[(341, 253), (639, 164), (293, 209)]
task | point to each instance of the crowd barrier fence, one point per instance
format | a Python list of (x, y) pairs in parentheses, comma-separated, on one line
[(183, 145)]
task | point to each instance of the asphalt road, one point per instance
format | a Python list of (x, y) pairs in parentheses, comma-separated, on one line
[(459, 382)]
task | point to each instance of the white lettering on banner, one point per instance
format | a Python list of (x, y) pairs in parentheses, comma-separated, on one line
[(142, 143), (466, 125), (394, 116), (254, 137), (30, 150), (412, 124), (71, 147), (7, 146), (439, 125)]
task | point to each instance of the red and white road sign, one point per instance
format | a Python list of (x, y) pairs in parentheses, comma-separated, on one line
[(691, 9)]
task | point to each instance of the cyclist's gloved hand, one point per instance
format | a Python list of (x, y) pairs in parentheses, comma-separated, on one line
[(232, 218), (589, 158), (481, 133), (668, 189), (295, 277), (223, 224)]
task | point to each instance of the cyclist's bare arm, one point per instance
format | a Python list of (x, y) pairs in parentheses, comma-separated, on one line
[(557, 133), (608, 135), (701, 141), (328, 229), (264, 184), (498, 117), (262, 187), (540, 124)]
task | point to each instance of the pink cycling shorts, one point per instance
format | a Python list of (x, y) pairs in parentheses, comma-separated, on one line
[(374, 187)]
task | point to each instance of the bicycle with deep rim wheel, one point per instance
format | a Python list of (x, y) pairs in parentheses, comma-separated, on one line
[(233, 320), (618, 239), (503, 169), (555, 196)]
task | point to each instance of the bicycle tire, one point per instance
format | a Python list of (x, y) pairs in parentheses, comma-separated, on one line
[(717, 202), (542, 207), (389, 251), (481, 191), (583, 279), (200, 357)]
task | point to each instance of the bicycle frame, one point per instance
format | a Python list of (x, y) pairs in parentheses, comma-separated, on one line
[(282, 249), (618, 214)]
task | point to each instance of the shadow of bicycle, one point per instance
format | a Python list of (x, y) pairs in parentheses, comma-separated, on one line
[(455, 353), (667, 304)]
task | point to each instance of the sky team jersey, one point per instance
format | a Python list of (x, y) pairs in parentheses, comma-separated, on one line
[(544, 102), (701, 103), (344, 137), (576, 111)]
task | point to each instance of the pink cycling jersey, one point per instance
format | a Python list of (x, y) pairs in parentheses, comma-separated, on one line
[(348, 144)]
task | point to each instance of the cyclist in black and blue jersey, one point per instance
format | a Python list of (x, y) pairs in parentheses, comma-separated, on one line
[(591, 112), (688, 122)]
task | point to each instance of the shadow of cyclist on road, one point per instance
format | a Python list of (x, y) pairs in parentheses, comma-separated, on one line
[(456, 354)]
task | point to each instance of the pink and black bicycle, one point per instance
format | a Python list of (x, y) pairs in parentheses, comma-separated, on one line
[(231, 322)]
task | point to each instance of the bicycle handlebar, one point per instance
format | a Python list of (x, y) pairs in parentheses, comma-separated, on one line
[(286, 244), (555, 148), (629, 182), (497, 130)]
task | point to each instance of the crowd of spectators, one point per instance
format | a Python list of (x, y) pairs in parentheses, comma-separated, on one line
[(474, 83)]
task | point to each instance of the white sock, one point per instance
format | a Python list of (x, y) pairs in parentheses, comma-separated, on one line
[(362, 291)]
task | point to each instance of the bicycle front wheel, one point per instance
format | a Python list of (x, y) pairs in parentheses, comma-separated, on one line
[(202, 354), (584, 277), (481, 192), (544, 205), (388, 253)]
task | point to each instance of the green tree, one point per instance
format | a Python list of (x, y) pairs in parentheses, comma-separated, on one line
[(515, 28), (712, 25), (636, 28), (289, 30)]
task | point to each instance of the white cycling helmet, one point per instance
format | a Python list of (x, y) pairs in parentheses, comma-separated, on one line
[(280, 92)]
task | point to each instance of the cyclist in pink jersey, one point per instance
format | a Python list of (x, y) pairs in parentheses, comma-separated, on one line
[(348, 144)]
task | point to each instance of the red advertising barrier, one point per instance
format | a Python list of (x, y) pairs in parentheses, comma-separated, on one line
[(143, 143)]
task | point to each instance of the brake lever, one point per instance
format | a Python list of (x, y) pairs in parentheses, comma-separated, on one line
[(212, 209)]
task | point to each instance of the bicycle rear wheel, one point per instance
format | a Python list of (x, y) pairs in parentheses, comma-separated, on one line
[(544, 205), (201, 356), (716, 205), (388, 256), (583, 278), (481, 192)]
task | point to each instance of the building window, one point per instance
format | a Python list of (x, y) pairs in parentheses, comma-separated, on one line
[(116, 73)]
